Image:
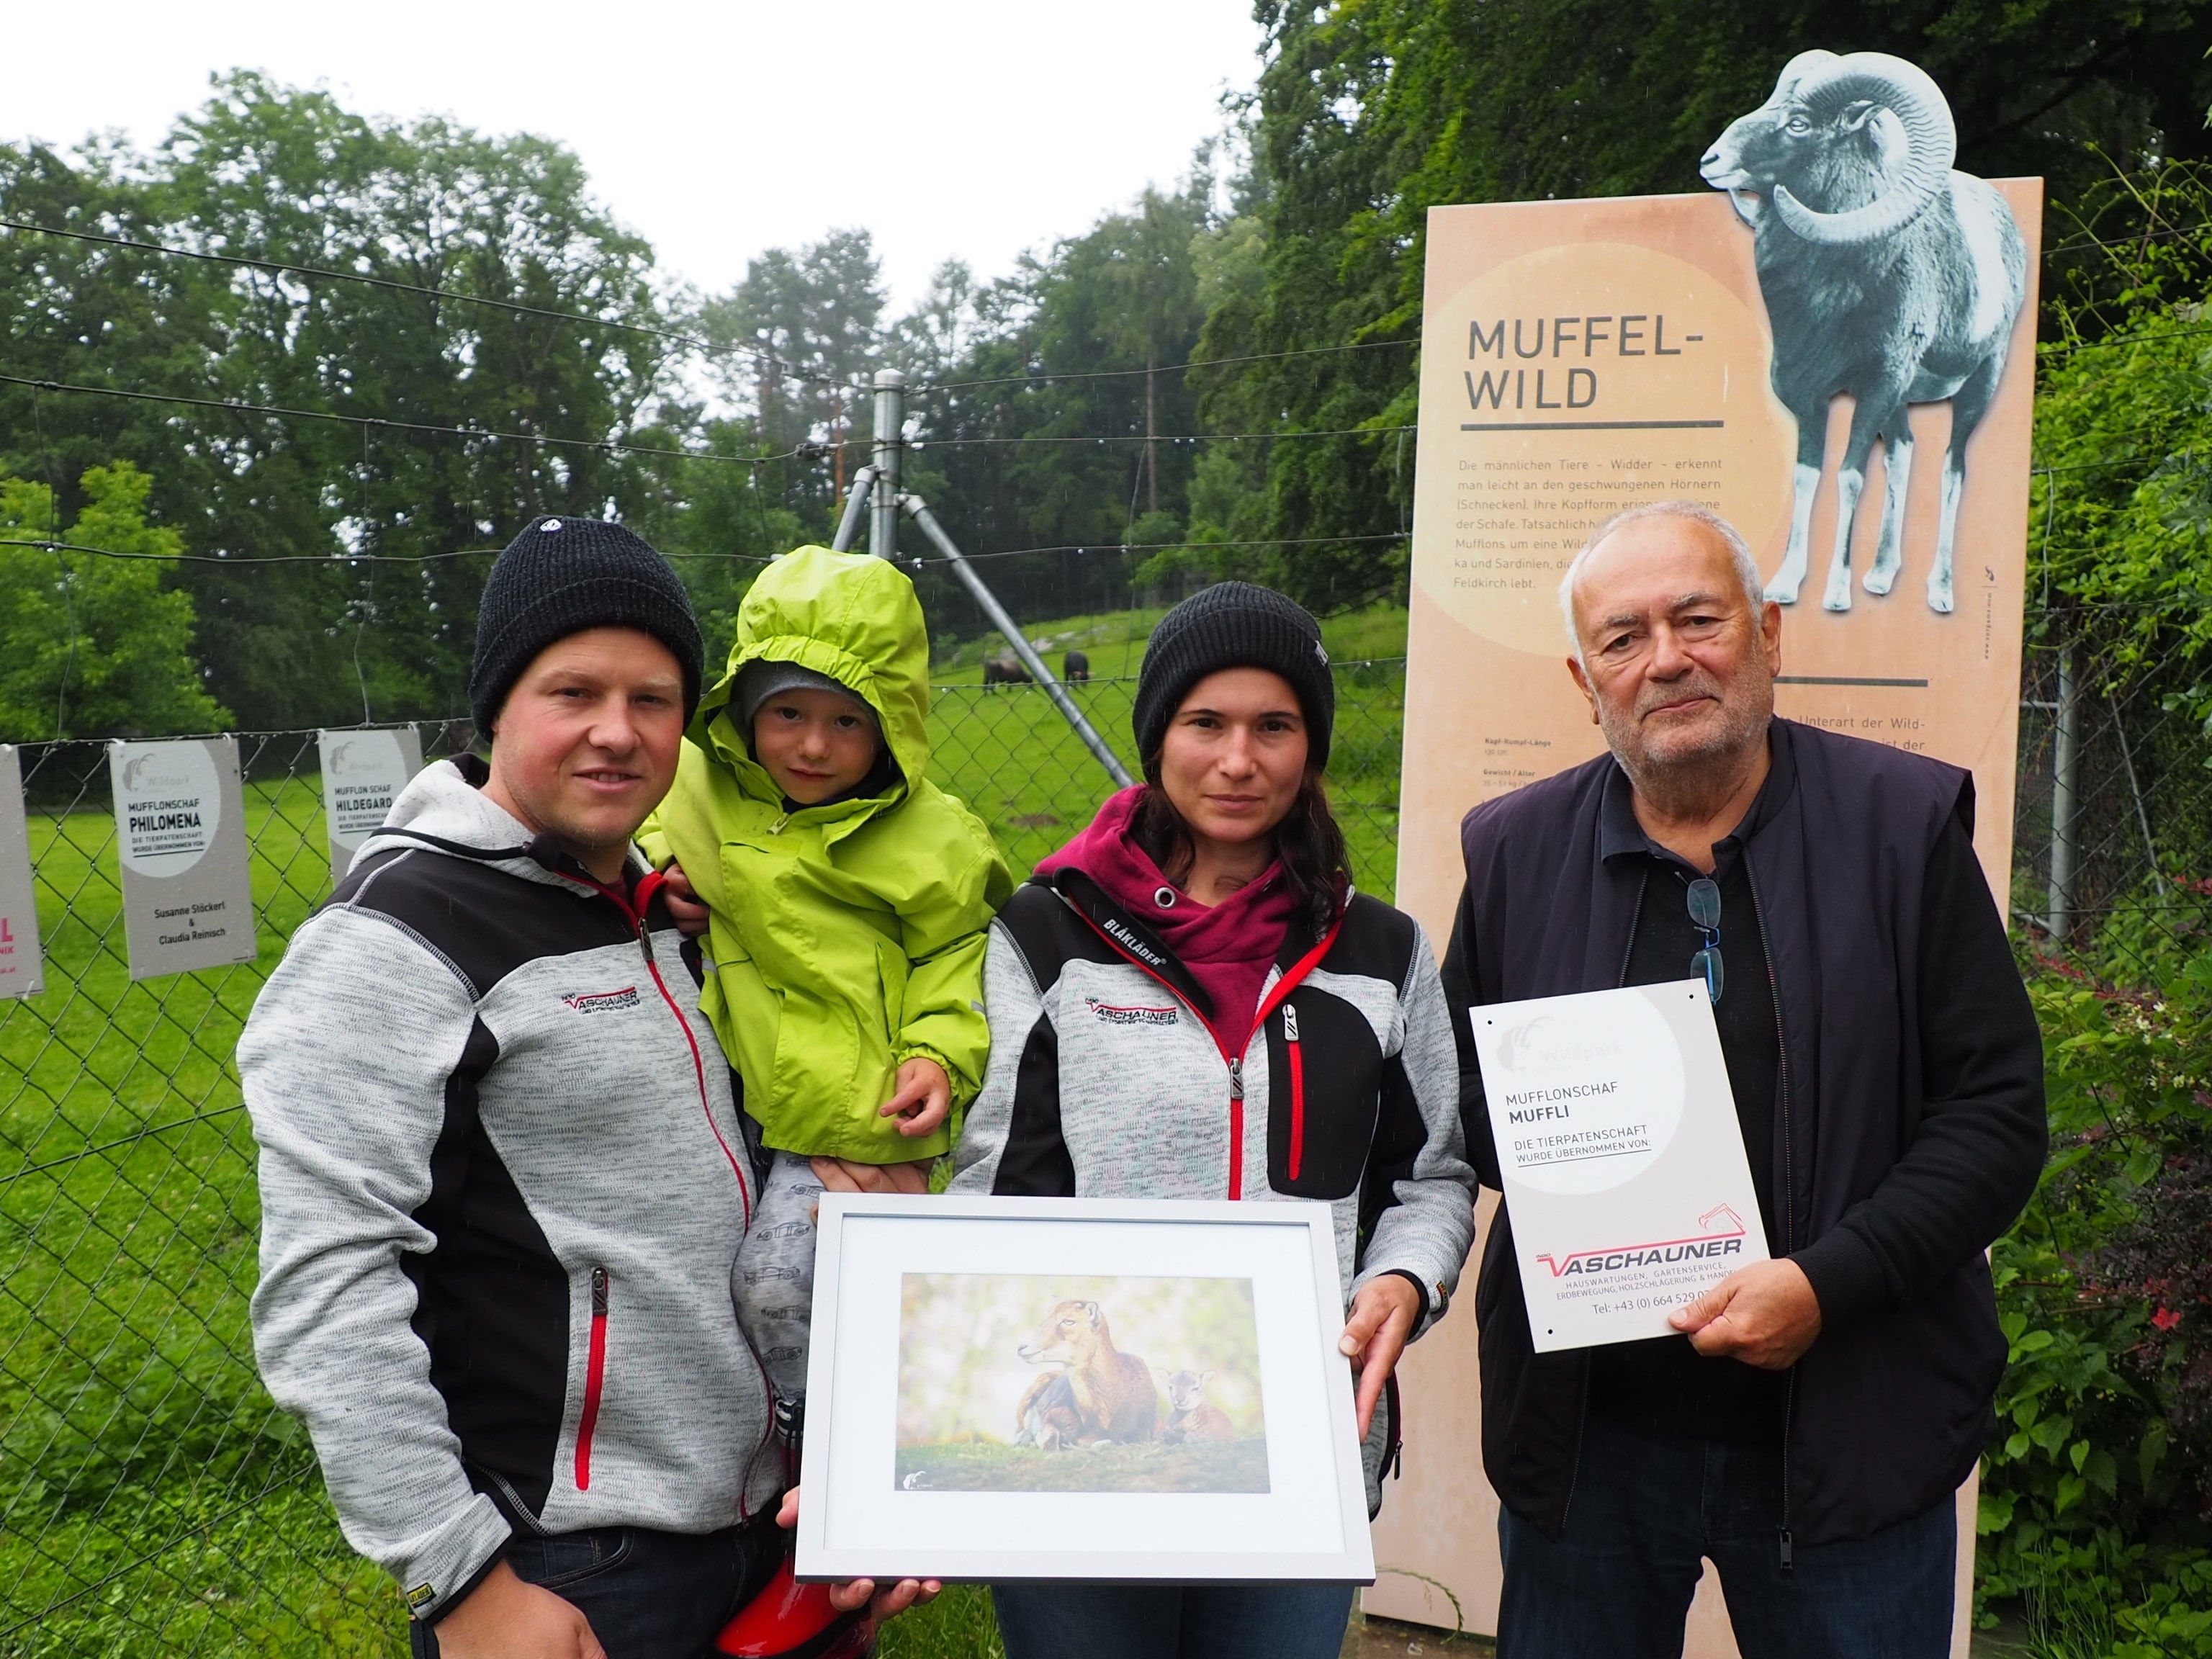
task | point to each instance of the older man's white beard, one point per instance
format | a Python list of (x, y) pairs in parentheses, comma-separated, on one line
[(1714, 743)]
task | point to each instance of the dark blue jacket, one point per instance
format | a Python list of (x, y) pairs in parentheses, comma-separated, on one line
[(1892, 1176)]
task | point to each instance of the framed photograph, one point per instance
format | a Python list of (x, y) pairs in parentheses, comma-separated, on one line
[(1114, 1390)]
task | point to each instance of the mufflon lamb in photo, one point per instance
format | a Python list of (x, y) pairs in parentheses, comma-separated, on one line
[(1191, 1420)]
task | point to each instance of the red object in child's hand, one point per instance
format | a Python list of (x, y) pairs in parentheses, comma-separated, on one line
[(792, 1620)]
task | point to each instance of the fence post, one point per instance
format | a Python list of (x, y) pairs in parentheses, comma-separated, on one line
[(1007, 625), (848, 523), (2059, 913), (890, 416)]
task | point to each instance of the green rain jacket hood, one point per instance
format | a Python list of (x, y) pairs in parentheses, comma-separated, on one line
[(846, 937)]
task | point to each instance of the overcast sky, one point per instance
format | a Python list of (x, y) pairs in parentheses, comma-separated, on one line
[(975, 128)]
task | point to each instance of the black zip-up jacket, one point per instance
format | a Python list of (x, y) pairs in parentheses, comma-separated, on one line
[(1891, 1177)]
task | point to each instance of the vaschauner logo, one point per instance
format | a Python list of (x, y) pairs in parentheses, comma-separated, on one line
[(1113, 1014), (1720, 1232), (603, 1002)]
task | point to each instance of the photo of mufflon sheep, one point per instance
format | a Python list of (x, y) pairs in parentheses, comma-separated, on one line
[(1888, 276), (1012, 1382), (1090, 1394)]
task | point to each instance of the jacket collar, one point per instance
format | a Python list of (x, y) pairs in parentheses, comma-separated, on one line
[(1619, 835), (1128, 934), (444, 808)]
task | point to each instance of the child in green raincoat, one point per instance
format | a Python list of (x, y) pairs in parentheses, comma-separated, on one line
[(847, 900)]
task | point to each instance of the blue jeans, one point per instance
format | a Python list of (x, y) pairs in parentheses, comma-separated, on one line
[(1172, 1621), (1647, 1507), (648, 1595)]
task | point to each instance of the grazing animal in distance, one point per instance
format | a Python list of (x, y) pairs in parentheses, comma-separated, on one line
[(1888, 276), (1075, 667), (1094, 1394), (1004, 670), (1191, 1420)]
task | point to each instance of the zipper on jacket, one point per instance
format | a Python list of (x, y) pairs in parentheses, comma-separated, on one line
[(1297, 1089), (1236, 1126), (595, 1377), (635, 916), (1789, 1185), (1277, 997)]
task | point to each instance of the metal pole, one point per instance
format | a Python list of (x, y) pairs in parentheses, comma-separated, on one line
[(849, 525), (890, 416), (2134, 789), (918, 510), (2065, 775)]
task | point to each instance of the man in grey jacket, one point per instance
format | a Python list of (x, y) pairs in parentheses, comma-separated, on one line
[(502, 1169)]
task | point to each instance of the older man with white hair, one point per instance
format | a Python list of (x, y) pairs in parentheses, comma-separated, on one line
[(1806, 1428)]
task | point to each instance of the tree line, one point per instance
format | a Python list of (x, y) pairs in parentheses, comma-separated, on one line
[(1216, 379)]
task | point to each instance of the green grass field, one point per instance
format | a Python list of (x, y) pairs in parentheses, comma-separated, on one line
[(152, 1500), (977, 1466)]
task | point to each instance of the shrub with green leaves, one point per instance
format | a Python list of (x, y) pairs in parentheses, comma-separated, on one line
[(2093, 1500)]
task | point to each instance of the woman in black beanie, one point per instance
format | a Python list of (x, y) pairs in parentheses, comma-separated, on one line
[(1188, 1001)]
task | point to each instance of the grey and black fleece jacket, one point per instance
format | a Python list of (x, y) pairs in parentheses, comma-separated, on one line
[(502, 1178), (1106, 1080)]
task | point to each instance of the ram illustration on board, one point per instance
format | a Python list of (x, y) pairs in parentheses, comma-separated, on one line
[(1042, 1382), (1889, 279)]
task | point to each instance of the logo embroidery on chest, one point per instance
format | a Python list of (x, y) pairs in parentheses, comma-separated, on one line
[(1139, 1015), (602, 1002)]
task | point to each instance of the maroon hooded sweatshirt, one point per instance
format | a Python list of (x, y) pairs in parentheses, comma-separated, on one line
[(1228, 947)]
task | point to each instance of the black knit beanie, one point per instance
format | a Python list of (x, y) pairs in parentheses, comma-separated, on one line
[(1233, 625), (562, 576)]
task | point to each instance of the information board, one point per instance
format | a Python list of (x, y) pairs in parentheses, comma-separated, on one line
[(363, 772), (22, 971), (180, 835)]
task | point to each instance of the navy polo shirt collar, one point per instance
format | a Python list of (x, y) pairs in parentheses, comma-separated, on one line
[(1619, 835)]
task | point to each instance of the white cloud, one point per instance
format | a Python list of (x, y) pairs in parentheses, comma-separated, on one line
[(975, 129)]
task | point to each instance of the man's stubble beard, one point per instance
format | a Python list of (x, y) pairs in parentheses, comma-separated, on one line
[(1662, 773), (578, 838)]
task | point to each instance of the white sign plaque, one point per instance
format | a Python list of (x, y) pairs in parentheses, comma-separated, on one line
[(22, 971), (1623, 1165), (363, 772), (180, 832)]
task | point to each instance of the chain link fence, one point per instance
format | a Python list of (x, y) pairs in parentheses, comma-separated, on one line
[(2112, 852), (152, 1500)]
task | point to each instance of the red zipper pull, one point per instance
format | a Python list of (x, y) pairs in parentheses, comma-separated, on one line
[(595, 1371)]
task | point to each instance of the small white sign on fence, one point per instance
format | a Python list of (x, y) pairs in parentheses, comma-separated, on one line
[(22, 968), (187, 875), (363, 772)]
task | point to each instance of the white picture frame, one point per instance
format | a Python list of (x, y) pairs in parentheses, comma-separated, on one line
[(935, 1449)]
